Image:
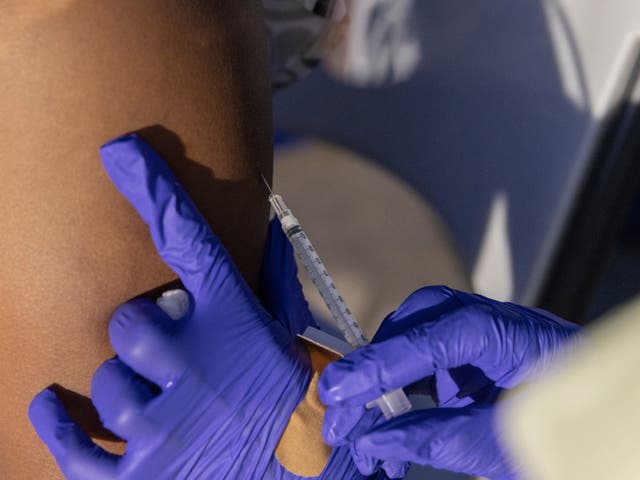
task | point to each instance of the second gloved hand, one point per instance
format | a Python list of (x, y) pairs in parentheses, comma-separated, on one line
[(460, 348)]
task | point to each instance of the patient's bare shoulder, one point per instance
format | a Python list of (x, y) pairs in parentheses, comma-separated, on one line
[(72, 76)]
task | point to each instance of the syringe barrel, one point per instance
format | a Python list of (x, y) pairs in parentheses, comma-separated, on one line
[(315, 267), (327, 289), (392, 403)]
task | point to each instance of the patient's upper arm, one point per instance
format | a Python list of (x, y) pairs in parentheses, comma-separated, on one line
[(74, 74)]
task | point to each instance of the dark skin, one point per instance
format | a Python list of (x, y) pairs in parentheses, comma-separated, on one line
[(192, 79)]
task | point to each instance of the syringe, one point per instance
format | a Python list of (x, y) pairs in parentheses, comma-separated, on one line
[(392, 403)]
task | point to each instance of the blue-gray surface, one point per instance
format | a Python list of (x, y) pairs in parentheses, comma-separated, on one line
[(485, 113), (621, 280), (430, 474)]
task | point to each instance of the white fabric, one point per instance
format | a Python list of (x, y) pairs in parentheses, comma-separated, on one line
[(582, 420)]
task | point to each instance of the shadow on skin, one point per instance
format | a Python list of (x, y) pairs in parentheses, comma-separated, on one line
[(213, 197)]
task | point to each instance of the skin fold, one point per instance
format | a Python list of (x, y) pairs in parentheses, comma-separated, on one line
[(191, 78)]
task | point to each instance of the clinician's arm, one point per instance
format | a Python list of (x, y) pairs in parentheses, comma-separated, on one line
[(460, 348), (192, 77)]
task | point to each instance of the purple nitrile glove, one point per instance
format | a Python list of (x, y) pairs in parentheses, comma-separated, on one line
[(460, 348), (230, 372)]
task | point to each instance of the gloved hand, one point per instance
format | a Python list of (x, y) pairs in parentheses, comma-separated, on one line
[(229, 374), (459, 348)]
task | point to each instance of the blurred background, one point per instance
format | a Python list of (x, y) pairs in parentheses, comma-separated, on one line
[(491, 146)]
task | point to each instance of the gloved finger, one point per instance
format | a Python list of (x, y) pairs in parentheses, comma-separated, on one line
[(452, 341), (366, 464), (423, 305), (181, 235), (395, 469), (279, 288), (120, 396), (77, 456), (342, 425), (460, 440), (143, 337), (366, 373)]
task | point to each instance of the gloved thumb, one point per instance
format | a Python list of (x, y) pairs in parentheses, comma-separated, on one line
[(461, 440), (279, 287)]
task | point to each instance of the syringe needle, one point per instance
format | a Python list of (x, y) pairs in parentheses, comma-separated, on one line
[(266, 183)]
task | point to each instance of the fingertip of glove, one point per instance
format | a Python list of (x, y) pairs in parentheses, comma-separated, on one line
[(342, 385), (125, 139), (38, 400), (328, 390), (331, 431), (131, 310), (395, 469), (44, 412), (129, 320), (119, 155), (367, 465), (328, 434)]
